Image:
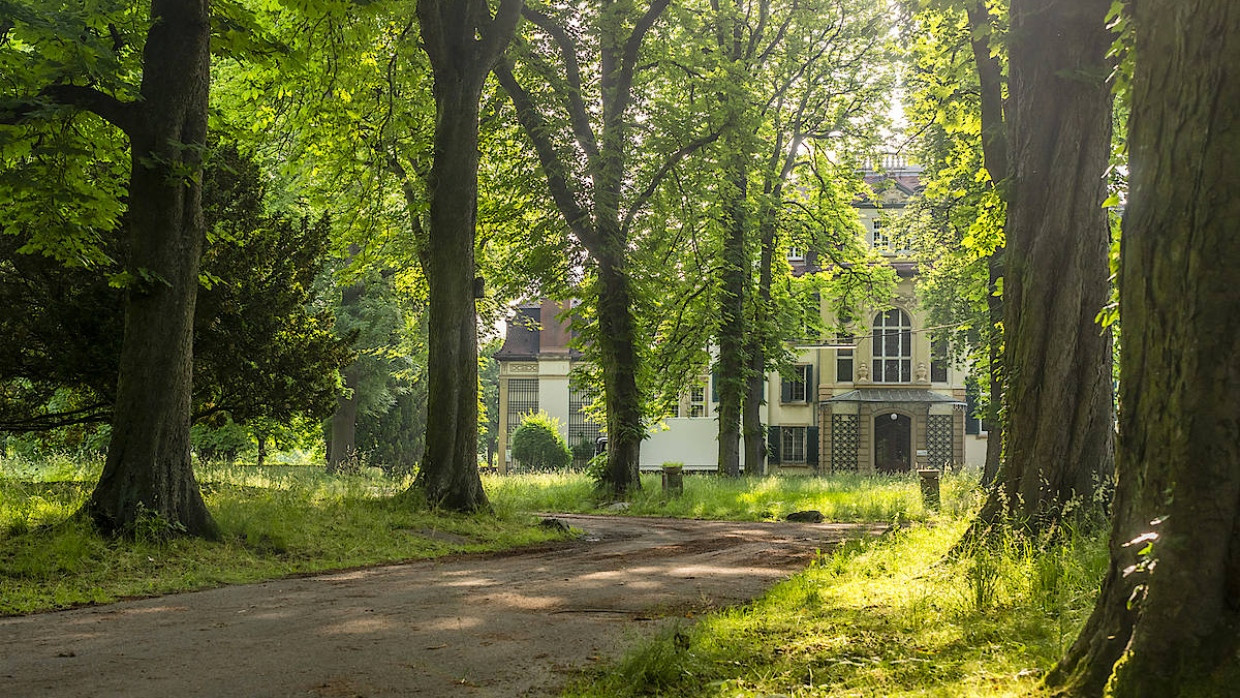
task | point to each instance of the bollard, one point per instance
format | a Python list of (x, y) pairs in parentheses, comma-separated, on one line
[(673, 478), (930, 488)]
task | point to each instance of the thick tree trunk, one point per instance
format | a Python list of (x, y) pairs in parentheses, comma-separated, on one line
[(449, 473), (1166, 621), (619, 362), (755, 432), (995, 155), (735, 277), (462, 41), (148, 470), (1057, 361)]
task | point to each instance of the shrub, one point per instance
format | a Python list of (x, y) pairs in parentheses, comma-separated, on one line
[(537, 444)]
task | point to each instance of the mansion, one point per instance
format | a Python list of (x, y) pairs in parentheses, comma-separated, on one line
[(888, 401)]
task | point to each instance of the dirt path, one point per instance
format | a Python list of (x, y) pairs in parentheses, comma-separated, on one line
[(502, 625)]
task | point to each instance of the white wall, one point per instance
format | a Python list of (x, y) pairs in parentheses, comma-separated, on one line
[(694, 442)]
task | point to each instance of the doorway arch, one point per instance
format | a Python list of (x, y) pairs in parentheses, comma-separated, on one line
[(893, 443)]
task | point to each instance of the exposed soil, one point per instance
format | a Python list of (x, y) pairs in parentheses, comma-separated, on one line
[(513, 624)]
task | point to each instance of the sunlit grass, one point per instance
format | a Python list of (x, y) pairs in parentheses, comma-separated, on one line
[(839, 497), (883, 617), (275, 520)]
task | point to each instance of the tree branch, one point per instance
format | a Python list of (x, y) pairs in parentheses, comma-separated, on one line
[(536, 129), (990, 77), (631, 49), (574, 103), (653, 185), (498, 32), (120, 114)]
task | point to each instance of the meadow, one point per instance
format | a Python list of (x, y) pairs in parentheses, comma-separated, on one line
[(898, 615)]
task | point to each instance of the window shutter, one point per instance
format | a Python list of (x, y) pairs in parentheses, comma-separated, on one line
[(714, 386), (811, 447), (772, 445), (810, 388)]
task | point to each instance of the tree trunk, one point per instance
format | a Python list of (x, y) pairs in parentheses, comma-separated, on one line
[(731, 373), (994, 347), (755, 432), (462, 41), (342, 441), (148, 469), (261, 459), (342, 446), (1057, 387), (1166, 621), (995, 155), (619, 358), (449, 473)]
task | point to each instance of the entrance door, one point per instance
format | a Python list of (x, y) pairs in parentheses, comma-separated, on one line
[(893, 443)]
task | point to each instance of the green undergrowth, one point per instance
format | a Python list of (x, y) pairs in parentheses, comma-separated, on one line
[(844, 497), (883, 617), (276, 521)]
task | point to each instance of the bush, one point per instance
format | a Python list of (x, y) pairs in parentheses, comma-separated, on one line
[(537, 444)]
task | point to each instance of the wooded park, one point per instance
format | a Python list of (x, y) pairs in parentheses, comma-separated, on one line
[(603, 347)]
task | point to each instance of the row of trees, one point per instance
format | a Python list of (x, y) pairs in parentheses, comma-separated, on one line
[(1031, 115), (680, 144)]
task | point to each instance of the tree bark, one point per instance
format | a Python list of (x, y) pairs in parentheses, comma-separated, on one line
[(463, 42), (731, 382), (148, 469), (995, 156), (755, 433), (623, 400), (1057, 360), (1166, 621), (342, 446)]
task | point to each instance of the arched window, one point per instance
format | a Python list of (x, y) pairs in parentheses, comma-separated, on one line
[(893, 347)]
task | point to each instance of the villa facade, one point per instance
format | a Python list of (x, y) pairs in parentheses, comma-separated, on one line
[(889, 400)]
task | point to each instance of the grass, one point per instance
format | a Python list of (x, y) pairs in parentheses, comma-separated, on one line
[(839, 497), (886, 617), (276, 521)]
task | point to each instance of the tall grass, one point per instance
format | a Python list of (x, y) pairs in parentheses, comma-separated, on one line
[(887, 617), (843, 497), (275, 521)]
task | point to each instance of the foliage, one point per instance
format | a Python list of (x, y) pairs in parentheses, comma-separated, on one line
[(262, 349), (538, 445), (276, 521), (882, 617)]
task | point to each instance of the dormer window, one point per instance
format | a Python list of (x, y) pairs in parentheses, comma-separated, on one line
[(893, 347), (796, 254)]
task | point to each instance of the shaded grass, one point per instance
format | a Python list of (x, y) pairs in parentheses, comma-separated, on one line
[(276, 521), (885, 617), (846, 497)]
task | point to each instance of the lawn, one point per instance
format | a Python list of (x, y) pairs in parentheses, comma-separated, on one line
[(276, 521), (845, 497), (883, 618)]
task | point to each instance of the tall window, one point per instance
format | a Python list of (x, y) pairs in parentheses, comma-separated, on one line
[(844, 360), (893, 347), (797, 388), (938, 360), (522, 400), (792, 447), (882, 240), (697, 401)]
